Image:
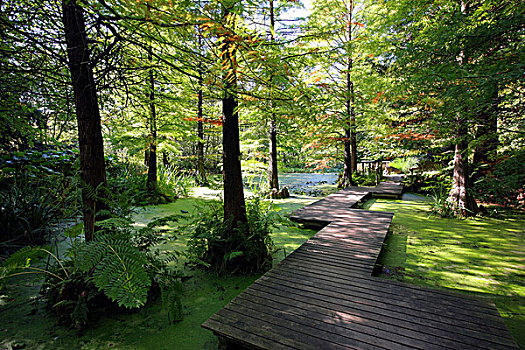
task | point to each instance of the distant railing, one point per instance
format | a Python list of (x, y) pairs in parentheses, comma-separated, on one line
[(371, 166)]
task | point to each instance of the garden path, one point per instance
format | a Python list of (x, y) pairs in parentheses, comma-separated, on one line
[(323, 295)]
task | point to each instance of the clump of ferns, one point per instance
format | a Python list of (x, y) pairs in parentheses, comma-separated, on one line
[(119, 265)]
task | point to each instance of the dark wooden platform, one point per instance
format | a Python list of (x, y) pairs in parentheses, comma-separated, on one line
[(388, 189), (323, 296)]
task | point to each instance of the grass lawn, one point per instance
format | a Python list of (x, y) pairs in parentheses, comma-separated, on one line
[(483, 257)]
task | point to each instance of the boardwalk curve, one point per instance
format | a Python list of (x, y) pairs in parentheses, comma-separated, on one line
[(323, 295)]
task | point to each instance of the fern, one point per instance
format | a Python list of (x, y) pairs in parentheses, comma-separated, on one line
[(171, 290), (118, 269)]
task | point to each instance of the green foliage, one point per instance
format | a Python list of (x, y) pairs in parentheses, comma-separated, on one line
[(27, 212), (244, 249), (129, 180), (404, 164), (367, 179), (439, 202), (173, 183), (119, 262), (171, 299), (505, 184), (427, 182), (117, 267)]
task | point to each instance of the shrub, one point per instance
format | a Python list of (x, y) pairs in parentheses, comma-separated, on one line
[(247, 248), (505, 183), (404, 164), (119, 268), (427, 183), (27, 212), (440, 204), (367, 179), (130, 179)]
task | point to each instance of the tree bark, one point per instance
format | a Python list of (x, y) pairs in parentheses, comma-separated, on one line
[(460, 196), (350, 161), (91, 145), (273, 177), (201, 175), (151, 181), (234, 205)]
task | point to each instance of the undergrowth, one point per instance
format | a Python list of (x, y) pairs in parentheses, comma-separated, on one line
[(220, 247)]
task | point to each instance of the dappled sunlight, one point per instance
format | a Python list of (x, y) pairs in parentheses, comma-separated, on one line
[(206, 193), (485, 256)]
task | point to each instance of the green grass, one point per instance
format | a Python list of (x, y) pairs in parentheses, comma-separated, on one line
[(482, 256)]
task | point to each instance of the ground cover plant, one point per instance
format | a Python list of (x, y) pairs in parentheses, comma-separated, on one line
[(203, 294), (483, 257)]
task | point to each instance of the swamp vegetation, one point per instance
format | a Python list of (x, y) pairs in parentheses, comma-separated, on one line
[(150, 151)]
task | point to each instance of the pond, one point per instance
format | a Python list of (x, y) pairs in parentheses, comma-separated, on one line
[(311, 184)]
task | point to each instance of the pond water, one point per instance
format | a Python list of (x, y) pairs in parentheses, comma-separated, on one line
[(312, 184)]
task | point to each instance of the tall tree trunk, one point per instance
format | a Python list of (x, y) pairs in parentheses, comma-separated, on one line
[(460, 196), (201, 175), (349, 139), (273, 177), (151, 182), (234, 205), (91, 145)]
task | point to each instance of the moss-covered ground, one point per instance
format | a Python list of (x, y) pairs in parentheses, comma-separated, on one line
[(27, 324), (479, 256)]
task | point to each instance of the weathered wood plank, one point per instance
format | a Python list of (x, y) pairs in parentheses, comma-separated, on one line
[(323, 296), (392, 287), (428, 325)]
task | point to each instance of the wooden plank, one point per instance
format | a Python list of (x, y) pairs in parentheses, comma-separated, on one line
[(327, 329), (322, 296), (429, 305), (351, 321), (414, 307), (393, 287), (288, 332), (240, 336), (433, 325)]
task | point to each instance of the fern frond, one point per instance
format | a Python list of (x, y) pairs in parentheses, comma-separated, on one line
[(118, 269)]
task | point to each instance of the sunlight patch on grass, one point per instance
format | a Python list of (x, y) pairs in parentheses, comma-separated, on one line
[(481, 256)]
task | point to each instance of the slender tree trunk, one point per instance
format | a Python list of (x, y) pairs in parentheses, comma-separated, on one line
[(92, 166), (151, 182), (201, 175), (234, 205), (349, 165), (273, 177)]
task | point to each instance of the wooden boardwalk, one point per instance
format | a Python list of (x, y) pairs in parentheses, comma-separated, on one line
[(323, 296)]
